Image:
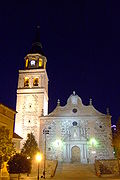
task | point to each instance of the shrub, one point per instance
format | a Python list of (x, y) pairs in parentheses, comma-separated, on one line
[(19, 164)]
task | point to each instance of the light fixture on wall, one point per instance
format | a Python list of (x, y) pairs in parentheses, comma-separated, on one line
[(57, 143), (93, 142)]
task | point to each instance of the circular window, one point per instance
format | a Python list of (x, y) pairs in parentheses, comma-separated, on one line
[(74, 123), (74, 110), (49, 149)]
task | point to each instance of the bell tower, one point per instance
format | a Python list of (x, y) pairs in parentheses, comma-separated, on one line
[(32, 92)]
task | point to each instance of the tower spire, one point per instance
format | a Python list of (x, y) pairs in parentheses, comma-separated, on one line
[(35, 58), (36, 45), (37, 36)]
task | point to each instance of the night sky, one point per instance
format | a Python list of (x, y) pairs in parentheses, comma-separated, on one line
[(81, 40)]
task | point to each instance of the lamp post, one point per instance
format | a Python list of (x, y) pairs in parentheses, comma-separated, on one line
[(45, 131), (38, 158)]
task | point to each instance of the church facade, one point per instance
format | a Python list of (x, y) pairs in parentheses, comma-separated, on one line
[(77, 133), (71, 133)]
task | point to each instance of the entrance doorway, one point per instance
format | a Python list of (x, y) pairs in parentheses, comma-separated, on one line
[(75, 151)]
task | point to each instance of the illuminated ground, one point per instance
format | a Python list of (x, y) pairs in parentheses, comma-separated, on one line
[(73, 172), (78, 172)]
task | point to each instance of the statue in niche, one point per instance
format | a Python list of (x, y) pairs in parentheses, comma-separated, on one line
[(75, 131)]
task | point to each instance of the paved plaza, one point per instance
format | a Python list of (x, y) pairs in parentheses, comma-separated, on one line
[(73, 172)]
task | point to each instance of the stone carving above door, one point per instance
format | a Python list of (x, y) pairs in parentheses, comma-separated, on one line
[(77, 133)]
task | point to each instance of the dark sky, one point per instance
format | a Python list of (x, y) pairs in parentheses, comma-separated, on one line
[(81, 40)]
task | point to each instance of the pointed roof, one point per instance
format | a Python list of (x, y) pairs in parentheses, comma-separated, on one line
[(36, 45)]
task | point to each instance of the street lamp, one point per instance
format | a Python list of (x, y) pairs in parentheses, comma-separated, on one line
[(38, 158), (45, 132)]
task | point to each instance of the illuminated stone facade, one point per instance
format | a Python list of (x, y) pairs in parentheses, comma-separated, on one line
[(77, 133), (32, 96)]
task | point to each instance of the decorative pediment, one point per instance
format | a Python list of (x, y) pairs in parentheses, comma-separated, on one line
[(75, 108)]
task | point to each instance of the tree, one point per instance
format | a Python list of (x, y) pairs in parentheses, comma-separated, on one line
[(19, 164), (30, 147), (6, 145)]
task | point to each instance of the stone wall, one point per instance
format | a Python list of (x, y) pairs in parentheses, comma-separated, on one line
[(31, 101), (61, 128), (111, 166), (103, 135)]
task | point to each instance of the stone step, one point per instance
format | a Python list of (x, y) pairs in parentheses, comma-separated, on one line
[(71, 171), (66, 167)]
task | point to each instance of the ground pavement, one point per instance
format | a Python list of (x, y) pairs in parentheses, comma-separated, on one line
[(78, 172), (71, 171)]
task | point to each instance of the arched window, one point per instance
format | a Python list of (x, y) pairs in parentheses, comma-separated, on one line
[(26, 64), (40, 62), (35, 82), (26, 82)]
